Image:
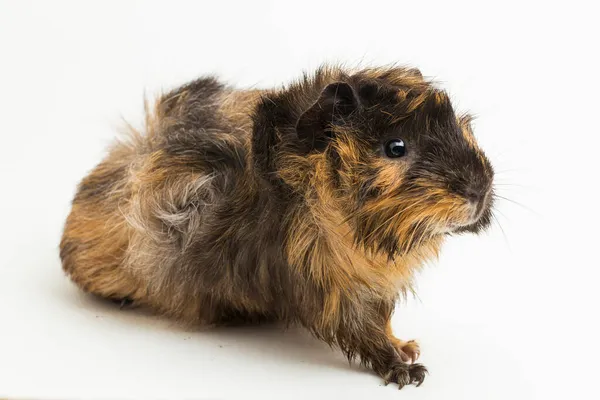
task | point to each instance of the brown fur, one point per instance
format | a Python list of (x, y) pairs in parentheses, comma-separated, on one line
[(224, 210)]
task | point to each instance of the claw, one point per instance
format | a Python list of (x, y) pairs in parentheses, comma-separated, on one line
[(418, 373), (387, 378), (403, 380), (126, 302), (405, 374)]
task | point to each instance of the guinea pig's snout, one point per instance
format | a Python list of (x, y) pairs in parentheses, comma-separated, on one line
[(479, 199)]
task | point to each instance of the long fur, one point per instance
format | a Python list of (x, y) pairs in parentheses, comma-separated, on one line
[(221, 211)]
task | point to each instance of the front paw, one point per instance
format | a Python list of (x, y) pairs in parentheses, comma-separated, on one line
[(405, 374)]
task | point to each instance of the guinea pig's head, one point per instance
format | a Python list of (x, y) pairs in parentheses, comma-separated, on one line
[(386, 148)]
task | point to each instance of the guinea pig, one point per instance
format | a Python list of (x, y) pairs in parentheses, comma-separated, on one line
[(312, 204)]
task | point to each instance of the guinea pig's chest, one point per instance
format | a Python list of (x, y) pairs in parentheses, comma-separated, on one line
[(379, 272), (338, 259)]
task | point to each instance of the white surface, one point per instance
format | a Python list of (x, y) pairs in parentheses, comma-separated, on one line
[(498, 316)]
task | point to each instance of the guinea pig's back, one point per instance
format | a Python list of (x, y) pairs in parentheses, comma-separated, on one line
[(204, 108), (137, 210)]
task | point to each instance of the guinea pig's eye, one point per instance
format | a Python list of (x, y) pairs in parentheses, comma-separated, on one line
[(395, 148)]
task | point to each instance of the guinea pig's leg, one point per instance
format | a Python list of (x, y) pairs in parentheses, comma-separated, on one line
[(409, 351), (377, 349), (364, 332)]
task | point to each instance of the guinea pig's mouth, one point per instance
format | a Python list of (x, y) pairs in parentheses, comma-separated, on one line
[(473, 217), (480, 219)]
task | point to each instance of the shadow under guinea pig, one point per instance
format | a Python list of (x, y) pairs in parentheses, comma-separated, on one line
[(271, 342)]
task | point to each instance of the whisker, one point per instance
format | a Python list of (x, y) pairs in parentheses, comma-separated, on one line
[(512, 184), (501, 213), (508, 170), (517, 203), (501, 230), (425, 231), (409, 242)]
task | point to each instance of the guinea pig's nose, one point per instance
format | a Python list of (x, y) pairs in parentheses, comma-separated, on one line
[(474, 195), (479, 199)]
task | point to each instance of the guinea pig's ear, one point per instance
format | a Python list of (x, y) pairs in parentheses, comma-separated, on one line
[(438, 109), (336, 102)]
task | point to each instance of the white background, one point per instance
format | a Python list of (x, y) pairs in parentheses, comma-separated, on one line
[(504, 315)]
